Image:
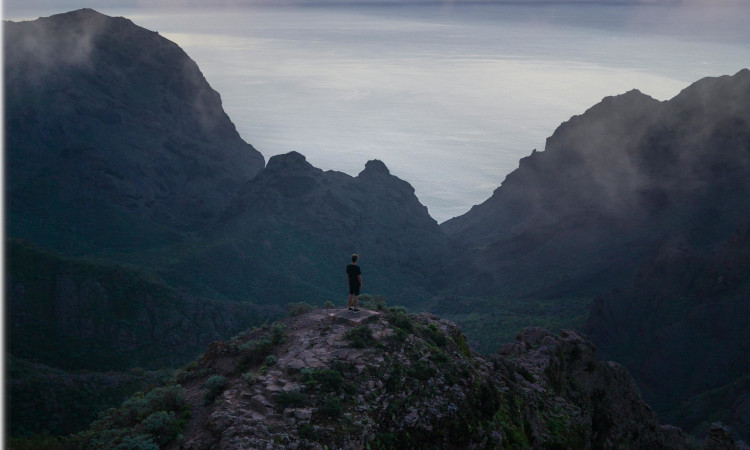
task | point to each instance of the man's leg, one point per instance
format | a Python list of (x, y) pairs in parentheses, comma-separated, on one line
[(349, 302), (356, 297)]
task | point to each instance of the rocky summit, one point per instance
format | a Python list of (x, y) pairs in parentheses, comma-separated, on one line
[(112, 130), (397, 381)]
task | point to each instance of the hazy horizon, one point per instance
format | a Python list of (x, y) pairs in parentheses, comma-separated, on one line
[(448, 96)]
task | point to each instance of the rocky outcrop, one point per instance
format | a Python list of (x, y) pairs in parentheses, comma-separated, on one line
[(408, 381), (719, 438), (112, 132), (604, 396)]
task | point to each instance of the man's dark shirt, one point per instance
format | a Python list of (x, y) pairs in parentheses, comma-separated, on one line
[(353, 271)]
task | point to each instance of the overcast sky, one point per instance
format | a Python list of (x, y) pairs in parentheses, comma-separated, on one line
[(480, 91), (11, 6)]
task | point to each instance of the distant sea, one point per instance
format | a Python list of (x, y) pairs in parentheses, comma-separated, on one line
[(449, 96)]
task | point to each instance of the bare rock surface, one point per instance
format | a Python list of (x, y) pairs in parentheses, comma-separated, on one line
[(411, 380)]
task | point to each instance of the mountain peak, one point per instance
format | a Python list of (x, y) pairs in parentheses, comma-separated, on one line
[(82, 13), (375, 167), (632, 99), (717, 95), (159, 147), (288, 160)]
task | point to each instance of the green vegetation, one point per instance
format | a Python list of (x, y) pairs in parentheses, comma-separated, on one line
[(488, 323), (73, 314), (332, 407), (36, 442), (57, 402), (298, 308), (255, 351), (398, 318), (82, 338), (145, 421), (214, 386), (308, 432), (421, 370), (434, 335), (372, 302), (361, 337), (330, 380), (291, 399)]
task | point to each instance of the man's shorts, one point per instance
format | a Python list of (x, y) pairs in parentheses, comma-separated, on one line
[(354, 289)]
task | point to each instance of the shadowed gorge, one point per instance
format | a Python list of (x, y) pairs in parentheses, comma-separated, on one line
[(141, 228)]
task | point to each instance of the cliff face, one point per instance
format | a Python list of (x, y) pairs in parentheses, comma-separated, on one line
[(112, 132), (643, 204), (611, 185), (398, 380)]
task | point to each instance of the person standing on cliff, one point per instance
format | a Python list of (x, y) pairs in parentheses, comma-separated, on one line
[(354, 274)]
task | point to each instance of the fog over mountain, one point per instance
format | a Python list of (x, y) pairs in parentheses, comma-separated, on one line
[(107, 119), (611, 184), (647, 200), (139, 221)]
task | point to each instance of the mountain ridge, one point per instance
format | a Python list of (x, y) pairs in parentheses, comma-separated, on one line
[(581, 218), (629, 198), (623, 165)]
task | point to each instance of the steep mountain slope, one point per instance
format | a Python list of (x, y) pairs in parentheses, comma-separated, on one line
[(400, 381), (81, 333), (613, 183), (114, 139), (45, 400), (291, 230), (119, 150), (82, 315), (683, 329), (650, 199)]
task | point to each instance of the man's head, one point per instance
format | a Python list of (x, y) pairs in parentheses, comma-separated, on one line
[(355, 257)]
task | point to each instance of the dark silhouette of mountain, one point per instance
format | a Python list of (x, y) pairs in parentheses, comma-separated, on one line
[(647, 198), (162, 225), (683, 329), (291, 230), (114, 138), (117, 149), (611, 185)]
